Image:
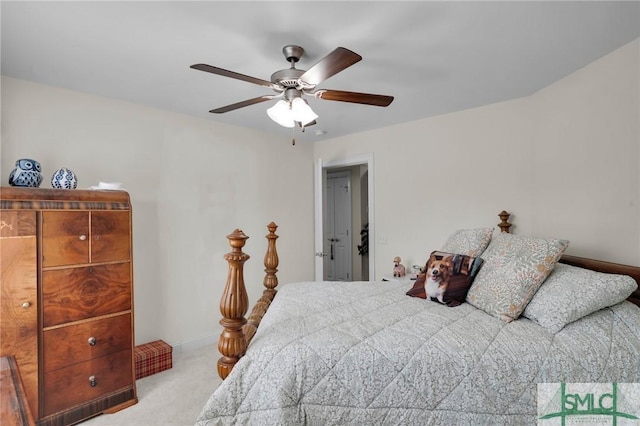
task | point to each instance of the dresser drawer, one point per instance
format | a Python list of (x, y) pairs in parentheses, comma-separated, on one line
[(80, 383), (76, 343), (110, 236), (77, 237), (65, 238), (78, 293)]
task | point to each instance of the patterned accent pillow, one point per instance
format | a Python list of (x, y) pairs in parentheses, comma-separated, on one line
[(446, 278), (470, 242), (570, 293), (514, 268)]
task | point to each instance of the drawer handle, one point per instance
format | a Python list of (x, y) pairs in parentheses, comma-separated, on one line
[(26, 305), (92, 341), (82, 237), (93, 382)]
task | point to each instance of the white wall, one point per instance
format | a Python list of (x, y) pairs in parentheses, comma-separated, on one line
[(192, 181), (565, 161)]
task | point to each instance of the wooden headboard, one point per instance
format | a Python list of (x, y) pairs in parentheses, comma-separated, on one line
[(592, 264), (608, 268)]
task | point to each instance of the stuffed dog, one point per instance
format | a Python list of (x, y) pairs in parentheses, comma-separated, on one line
[(398, 268)]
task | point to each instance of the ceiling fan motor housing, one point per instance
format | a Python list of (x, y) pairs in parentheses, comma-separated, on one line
[(287, 78), (292, 52)]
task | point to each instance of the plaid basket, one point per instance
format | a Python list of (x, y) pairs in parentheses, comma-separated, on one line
[(152, 358)]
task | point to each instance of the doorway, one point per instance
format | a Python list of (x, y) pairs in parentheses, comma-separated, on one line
[(333, 217), (338, 233)]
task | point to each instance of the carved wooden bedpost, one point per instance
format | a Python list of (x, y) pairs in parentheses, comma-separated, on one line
[(237, 331), (233, 306), (270, 282), (504, 224), (271, 259)]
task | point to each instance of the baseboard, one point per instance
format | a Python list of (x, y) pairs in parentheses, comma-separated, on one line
[(191, 345)]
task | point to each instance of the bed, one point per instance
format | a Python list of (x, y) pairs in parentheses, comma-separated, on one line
[(370, 353)]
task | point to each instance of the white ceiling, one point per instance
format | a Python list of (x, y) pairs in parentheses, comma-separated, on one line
[(434, 57)]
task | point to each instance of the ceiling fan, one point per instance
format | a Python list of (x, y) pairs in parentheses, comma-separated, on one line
[(292, 84)]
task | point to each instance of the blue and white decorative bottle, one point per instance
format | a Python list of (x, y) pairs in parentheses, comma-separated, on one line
[(27, 173), (64, 179)]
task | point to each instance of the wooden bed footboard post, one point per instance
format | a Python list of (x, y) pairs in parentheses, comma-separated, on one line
[(271, 259), (270, 282), (237, 330), (233, 306)]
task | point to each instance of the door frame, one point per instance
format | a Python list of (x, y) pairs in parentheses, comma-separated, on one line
[(320, 174)]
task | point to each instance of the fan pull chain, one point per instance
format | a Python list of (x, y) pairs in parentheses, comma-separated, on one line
[(293, 135)]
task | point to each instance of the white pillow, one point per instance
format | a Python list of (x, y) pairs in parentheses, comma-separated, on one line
[(570, 293), (470, 242), (514, 268)]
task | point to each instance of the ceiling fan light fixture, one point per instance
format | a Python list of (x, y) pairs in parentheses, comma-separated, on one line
[(302, 112), (281, 113)]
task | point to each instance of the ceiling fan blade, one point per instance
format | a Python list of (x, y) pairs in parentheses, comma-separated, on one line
[(353, 97), (330, 65), (243, 104), (237, 76)]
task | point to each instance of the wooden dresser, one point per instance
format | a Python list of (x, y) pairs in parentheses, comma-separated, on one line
[(67, 300)]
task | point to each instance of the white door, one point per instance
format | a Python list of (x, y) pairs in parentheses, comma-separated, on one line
[(337, 239)]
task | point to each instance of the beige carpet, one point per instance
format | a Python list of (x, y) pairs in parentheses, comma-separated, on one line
[(172, 397)]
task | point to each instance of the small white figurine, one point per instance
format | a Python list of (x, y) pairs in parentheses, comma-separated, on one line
[(398, 268)]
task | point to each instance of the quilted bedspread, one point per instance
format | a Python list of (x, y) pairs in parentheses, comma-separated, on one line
[(365, 353)]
